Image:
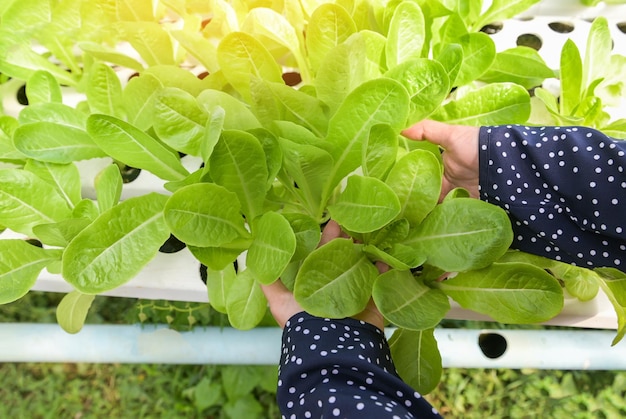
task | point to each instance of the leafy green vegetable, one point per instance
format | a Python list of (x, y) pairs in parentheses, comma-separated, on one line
[(72, 311), (366, 204), (272, 248), (329, 274), (417, 358), (20, 266), (101, 256), (135, 148), (407, 302), (508, 292), (27, 200), (205, 215), (462, 234)]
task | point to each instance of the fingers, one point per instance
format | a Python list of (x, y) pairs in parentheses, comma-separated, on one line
[(274, 290), (433, 131), (331, 231)]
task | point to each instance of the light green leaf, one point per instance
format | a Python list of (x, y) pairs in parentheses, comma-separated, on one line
[(269, 25), (72, 311), (407, 34), (500, 10), (212, 133), (451, 58), (26, 200), (108, 184), (55, 142), (272, 248), (381, 101), (580, 282), (245, 303), (199, 48), (242, 57), (20, 266), (329, 26), (110, 55), (104, 91), (22, 62), (218, 258), (238, 164), (416, 180), (293, 105), (42, 87), (237, 114), (515, 293), (521, 65), (205, 215), (133, 147), (571, 78), (273, 153), (479, 52), (493, 104), (366, 204), (598, 51), (462, 234), (614, 286), (381, 151), (117, 245), (307, 233), (308, 167), (218, 285), (150, 40), (427, 83), (138, 100), (61, 233), (179, 121), (417, 358), (86, 208), (176, 76), (8, 125), (64, 177), (379, 255), (349, 65), (407, 302), (335, 280)]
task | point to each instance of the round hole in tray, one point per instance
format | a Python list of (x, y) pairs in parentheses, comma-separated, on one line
[(172, 245), (292, 78), (492, 28), (492, 345), (21, 97), (529, 40), (34, 242), (203, 273), (561, 27), (622, 27), (129, 174)]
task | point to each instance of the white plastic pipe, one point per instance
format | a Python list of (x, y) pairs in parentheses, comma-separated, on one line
[(541, 349)]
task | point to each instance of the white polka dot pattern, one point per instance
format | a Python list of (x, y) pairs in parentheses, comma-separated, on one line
[(564, 189), (342, 369)]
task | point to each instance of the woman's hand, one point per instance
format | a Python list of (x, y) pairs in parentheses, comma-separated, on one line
[(283, 304), (460, 156)]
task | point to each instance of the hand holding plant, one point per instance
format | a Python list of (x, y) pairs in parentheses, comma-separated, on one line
[(283, 304), (460, 156)]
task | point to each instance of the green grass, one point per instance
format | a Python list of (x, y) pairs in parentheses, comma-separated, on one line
[(35, 390)]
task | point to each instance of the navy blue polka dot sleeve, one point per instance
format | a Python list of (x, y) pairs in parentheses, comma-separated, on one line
[(564, 189), (342, 369)]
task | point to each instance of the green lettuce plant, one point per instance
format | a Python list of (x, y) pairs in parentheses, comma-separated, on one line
[(277, 162)]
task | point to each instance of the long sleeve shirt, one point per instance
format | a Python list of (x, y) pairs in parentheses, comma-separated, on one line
[(564, 189), (342, 368)]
